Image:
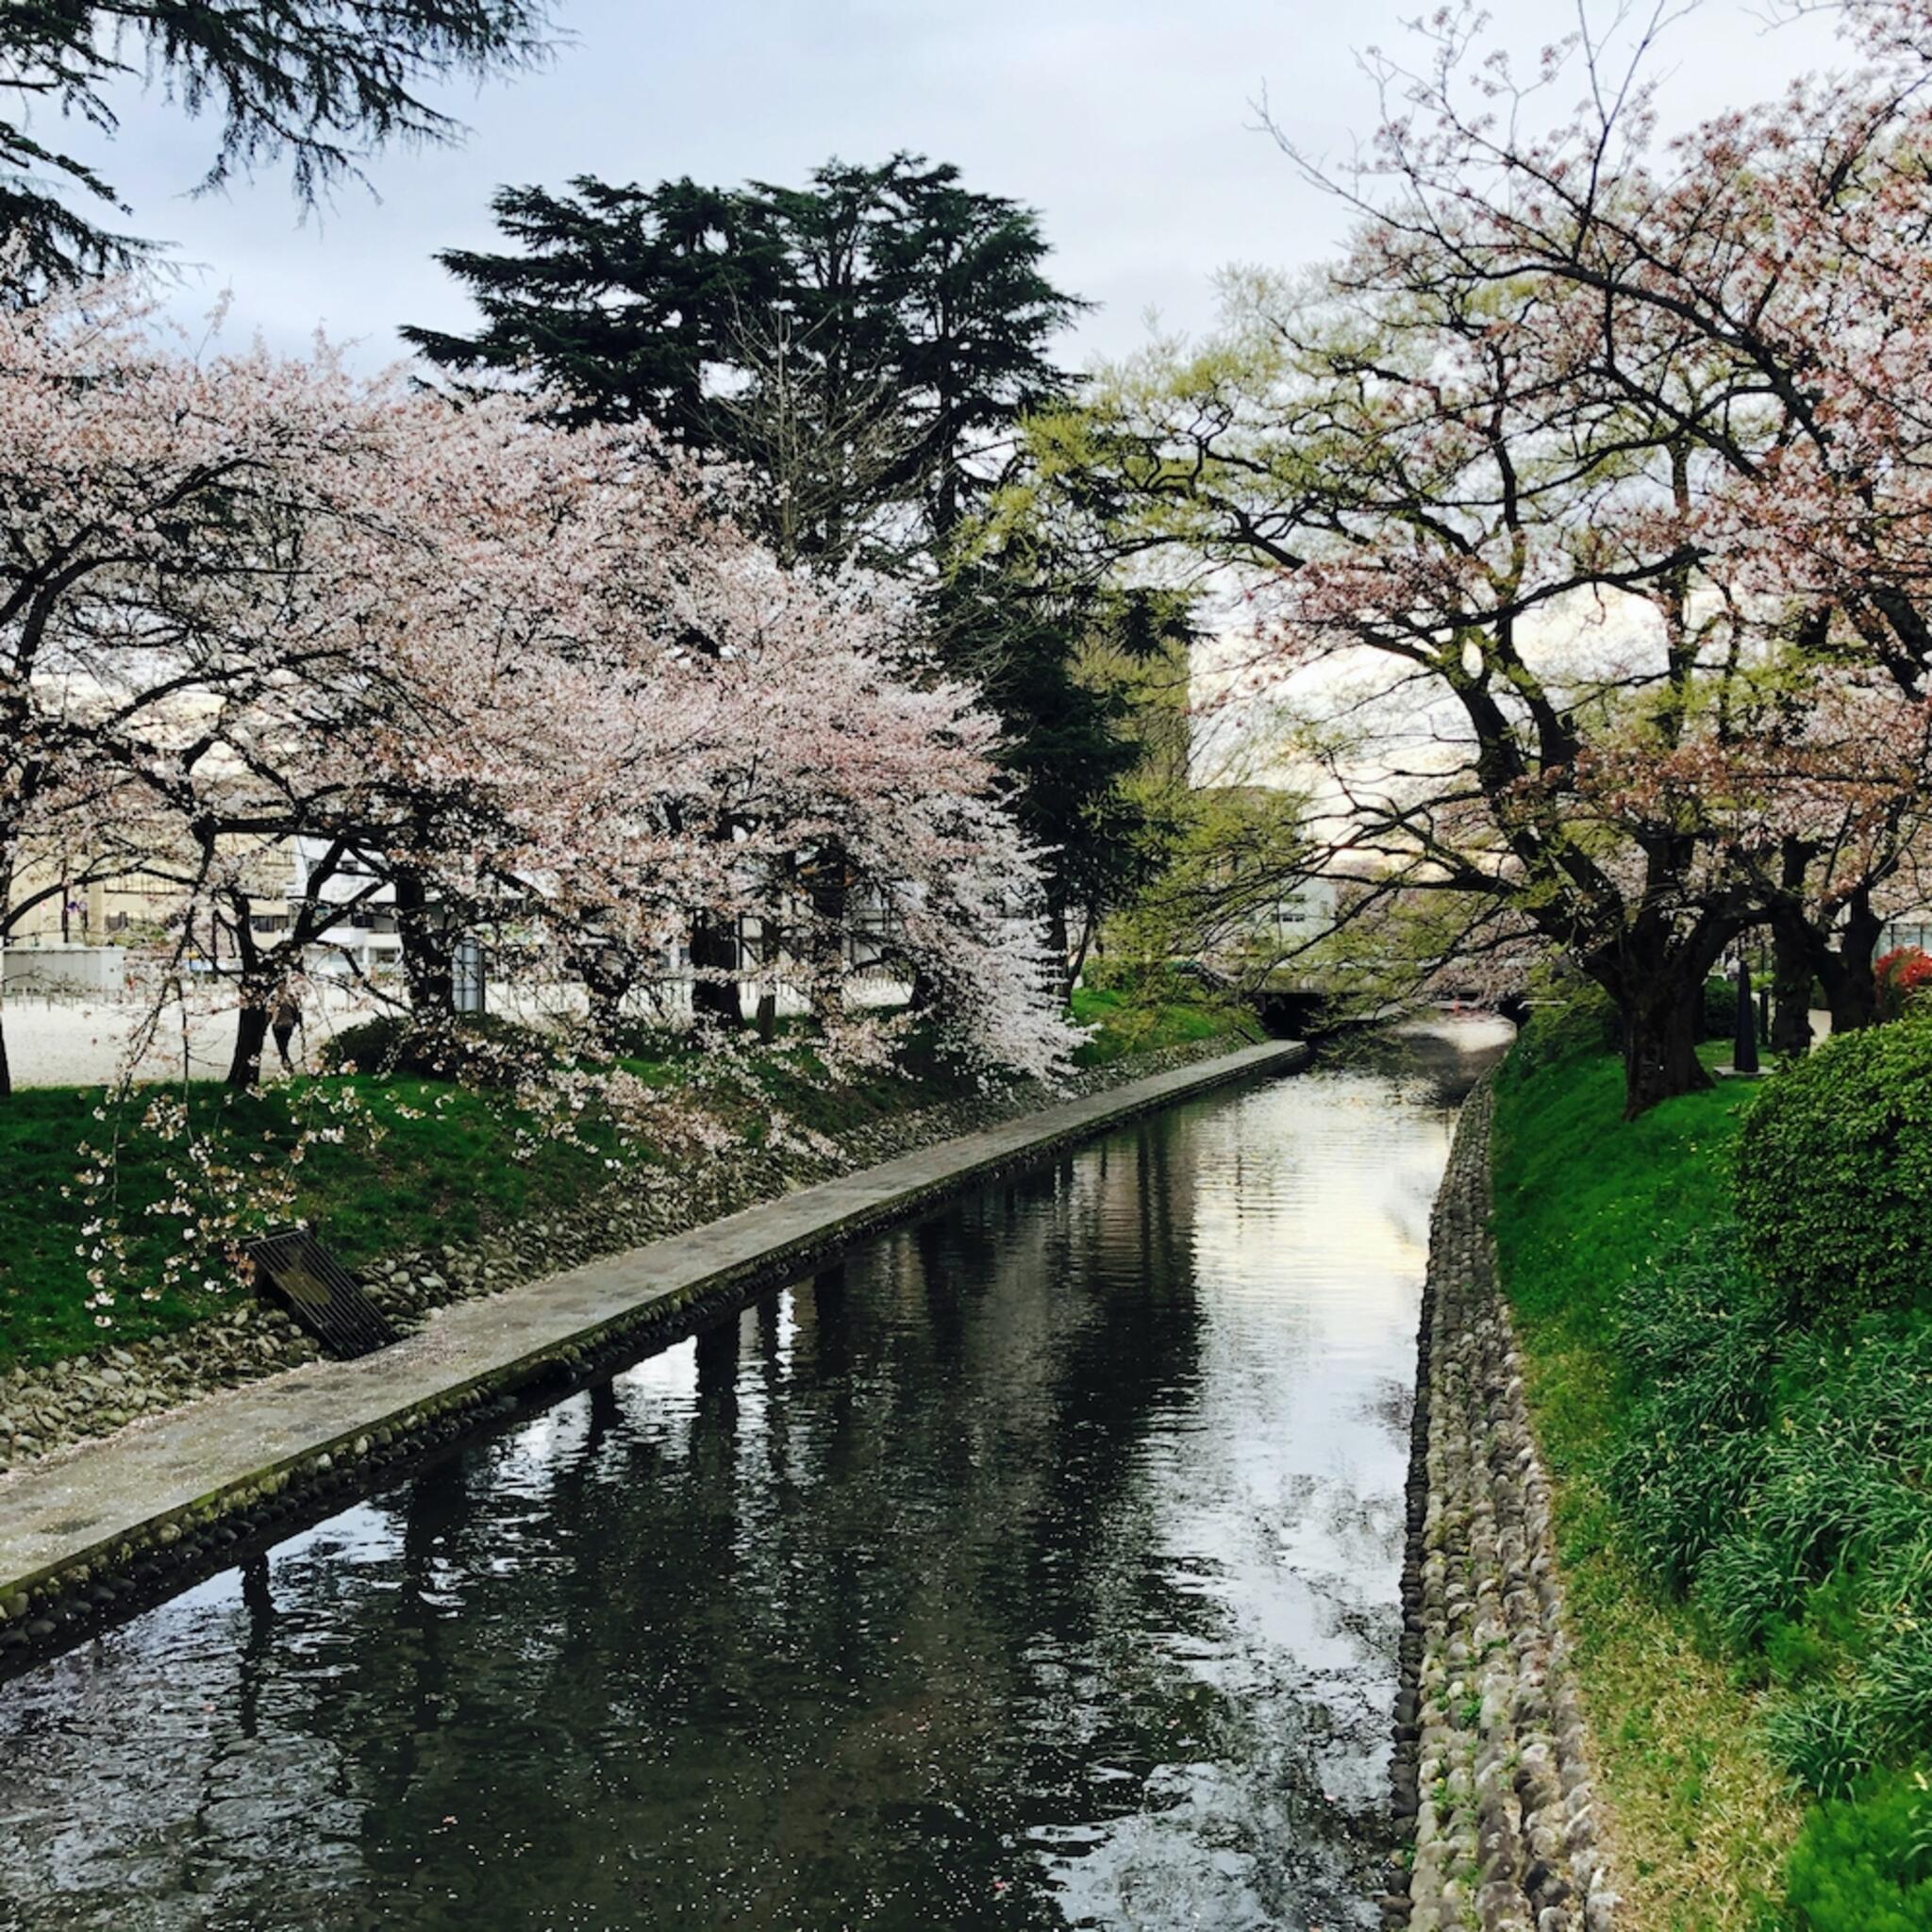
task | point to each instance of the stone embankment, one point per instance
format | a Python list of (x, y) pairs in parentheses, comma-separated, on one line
[(60, 1403), (1491, 1779), (90, 1534)]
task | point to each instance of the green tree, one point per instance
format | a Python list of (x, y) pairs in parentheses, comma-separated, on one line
[(615, 299), (323, 82), (865, 344), (1391, 479), (1047, 647)]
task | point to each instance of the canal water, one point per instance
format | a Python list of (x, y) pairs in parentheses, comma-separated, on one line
[(1038, 1567)]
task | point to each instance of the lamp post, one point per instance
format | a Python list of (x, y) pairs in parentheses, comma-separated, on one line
[(1744, 1046)]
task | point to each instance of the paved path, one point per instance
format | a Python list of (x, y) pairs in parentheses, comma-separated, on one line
[(82, 1502), (81, 1041)]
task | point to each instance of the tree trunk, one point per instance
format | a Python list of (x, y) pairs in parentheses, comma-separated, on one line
[(607, 974), (830, 908), (715, 994), (1850, 991), (1791, 993), (770, 954), (1059, 947), (6, 928), (428, 958), (1089, 926), (1663, 1021), (1745, 1029), (251, 1031), (606, 1010), (258, 988)]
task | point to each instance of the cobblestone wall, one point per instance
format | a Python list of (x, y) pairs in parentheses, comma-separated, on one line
[(1491, 1779)]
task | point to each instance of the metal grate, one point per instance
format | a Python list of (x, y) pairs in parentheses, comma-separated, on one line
[(320, 1293)]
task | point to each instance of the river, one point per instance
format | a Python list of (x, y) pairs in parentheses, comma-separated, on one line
[(1037, 1567)]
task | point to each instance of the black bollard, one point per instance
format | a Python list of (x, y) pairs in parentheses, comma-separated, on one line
[(1744, 1051)]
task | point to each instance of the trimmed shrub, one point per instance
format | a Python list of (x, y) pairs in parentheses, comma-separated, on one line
[(1720, 1008), (1864, 1864), (1833, 1175)]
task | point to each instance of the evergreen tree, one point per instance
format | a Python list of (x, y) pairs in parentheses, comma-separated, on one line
[(866, 345), (320, 81), (1045, 643), (868, 340), (617, 299)]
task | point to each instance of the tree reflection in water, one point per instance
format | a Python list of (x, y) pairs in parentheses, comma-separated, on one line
[(1037, 1566)]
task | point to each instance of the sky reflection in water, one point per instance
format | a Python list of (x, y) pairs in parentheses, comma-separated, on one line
[(1035, 1568)]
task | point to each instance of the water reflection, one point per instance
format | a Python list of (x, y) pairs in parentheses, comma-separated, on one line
[(1037, 1567)]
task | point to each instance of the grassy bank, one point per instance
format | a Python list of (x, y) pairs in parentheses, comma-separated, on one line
[(1118, 1026), (1668, 1402), (419, 1162)]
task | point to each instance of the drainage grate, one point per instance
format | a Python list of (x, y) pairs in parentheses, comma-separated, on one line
[(320, 1293)]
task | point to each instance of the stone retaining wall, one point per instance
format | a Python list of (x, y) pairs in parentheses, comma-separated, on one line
[(49, 1407), (1491, 1779)]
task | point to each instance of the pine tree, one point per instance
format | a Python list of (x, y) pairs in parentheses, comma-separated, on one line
[(866, 345), (323, 82), (883, 325), (1044, 642), (616, 299)]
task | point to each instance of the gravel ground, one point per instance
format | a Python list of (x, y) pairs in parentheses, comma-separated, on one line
[(80, 1042)]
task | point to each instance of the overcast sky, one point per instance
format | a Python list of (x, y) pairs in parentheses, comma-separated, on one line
[(1128, 123)]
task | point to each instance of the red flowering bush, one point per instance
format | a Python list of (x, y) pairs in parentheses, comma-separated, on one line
[(1902, 976)]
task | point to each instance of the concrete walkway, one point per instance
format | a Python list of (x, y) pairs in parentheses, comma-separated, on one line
[(82, 1504)]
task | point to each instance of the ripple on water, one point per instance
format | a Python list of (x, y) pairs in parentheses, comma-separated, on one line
[(1035, 1568)]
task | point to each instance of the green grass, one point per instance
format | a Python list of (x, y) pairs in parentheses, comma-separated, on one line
[(1583, 1200), (1744, 1455), (1702, 1817), (1118, 1026), (420, 1162)]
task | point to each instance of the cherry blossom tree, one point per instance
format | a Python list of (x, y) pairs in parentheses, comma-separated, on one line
[(1586, 488), (138, 484), (1778, 251), (518, 676), (528, 684), (1561, 696)]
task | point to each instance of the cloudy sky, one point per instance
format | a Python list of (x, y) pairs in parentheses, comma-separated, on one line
[(1129, 124)]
